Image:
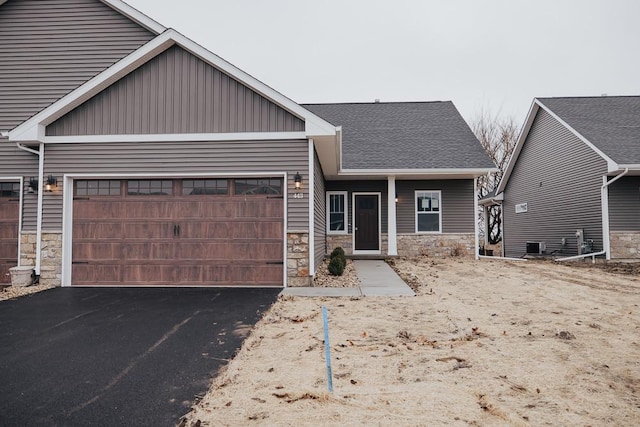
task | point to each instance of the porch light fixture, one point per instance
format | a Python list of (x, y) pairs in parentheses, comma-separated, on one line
[(396, 197), (33, 185), (297, 180), (52, 183)]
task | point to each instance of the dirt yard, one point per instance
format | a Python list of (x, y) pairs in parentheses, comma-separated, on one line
[(484, 343)]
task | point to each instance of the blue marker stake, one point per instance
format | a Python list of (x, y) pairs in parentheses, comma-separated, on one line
[(327, 350)]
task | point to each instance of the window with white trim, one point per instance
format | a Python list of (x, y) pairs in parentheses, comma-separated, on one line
[(337, 212), (428, 211)]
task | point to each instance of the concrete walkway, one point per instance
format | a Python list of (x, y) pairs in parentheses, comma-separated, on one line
[(376, 279)]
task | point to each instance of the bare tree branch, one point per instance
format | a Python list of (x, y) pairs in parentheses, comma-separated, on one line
[(498, 137)]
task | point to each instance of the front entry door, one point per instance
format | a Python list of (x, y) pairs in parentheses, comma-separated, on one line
[(367, 234)]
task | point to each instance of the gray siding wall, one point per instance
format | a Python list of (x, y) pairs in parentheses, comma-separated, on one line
[(49, 48), (175, 92), (319, 206), (364, 187), (559, 177), (176, 158), (457, 204), (624, 204), (17, 162)]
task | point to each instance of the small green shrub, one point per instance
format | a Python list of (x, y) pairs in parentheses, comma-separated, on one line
[(336, 266), (337, 251)]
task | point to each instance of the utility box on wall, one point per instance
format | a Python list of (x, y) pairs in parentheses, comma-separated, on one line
[(536, 248)]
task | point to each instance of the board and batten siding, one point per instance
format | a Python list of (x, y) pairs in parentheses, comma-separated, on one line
[(175, 92), (48, 48), (174, 159), (319, 214), (624, 204), (559, 178), (457, 204)]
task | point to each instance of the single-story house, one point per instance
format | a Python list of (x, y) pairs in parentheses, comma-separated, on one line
[(132, 156), (572, 185)]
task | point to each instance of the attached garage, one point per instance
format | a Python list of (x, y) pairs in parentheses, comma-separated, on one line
[(178, 232), (9, 221)]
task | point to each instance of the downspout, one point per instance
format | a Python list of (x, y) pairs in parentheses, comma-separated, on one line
[(40, 154), (604, 198), (476, 249)]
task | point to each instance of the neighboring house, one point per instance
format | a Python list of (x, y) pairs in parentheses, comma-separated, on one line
[(133, 156), (572, 185)]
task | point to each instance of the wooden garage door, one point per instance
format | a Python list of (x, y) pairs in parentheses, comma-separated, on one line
[(202, 232), (9, 217)]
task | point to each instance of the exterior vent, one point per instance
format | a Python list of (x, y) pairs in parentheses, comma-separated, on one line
[(536, 247)]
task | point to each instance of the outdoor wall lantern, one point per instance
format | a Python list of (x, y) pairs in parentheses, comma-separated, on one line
[(33, 185), (297, 181), (52, 183), (396, 197)]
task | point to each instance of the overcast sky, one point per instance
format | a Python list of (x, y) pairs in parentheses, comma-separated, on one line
[(492, 54)]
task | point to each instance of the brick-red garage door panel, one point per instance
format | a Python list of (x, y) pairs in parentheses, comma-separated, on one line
[(9, 217), (183, 238)]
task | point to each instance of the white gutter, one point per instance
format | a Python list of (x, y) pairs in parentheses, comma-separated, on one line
[(604, 202), (592, 255), (476, 249), (40, 154)]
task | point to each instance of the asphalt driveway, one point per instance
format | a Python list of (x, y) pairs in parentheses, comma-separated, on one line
[(108, 356)]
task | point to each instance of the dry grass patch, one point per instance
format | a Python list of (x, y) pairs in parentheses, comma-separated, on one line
[(482, 343)]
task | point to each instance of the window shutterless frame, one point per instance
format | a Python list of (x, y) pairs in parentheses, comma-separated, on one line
[(428, 203), (334, 200)]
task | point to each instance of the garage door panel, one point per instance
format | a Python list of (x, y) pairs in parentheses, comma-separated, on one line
[(84, 251), (97, 209), (203, 230), (164, 229), (202, 250), (156, 274), (96, 230), (96, 274), (148, 250), (9, 231), (259, 251), (149, 209)]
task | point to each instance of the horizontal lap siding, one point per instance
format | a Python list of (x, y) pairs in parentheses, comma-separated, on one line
[(174, 159), (50, 47), (175, 92), (457, 204), (624, 204), (319, 206), (559, 177)]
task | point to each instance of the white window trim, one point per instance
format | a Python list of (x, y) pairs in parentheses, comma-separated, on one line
[(345, 194), (415, 211)]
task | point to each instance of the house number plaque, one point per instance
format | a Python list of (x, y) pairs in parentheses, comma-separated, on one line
[(298, 195)]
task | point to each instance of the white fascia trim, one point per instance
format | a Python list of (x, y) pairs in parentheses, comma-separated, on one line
[(135, 15), (533, 110), (33, 129), (176, 137), (400, 172), (630, 167)]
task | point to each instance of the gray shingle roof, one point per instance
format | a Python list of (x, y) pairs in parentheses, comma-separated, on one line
[(404, 135), (611, 123)]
